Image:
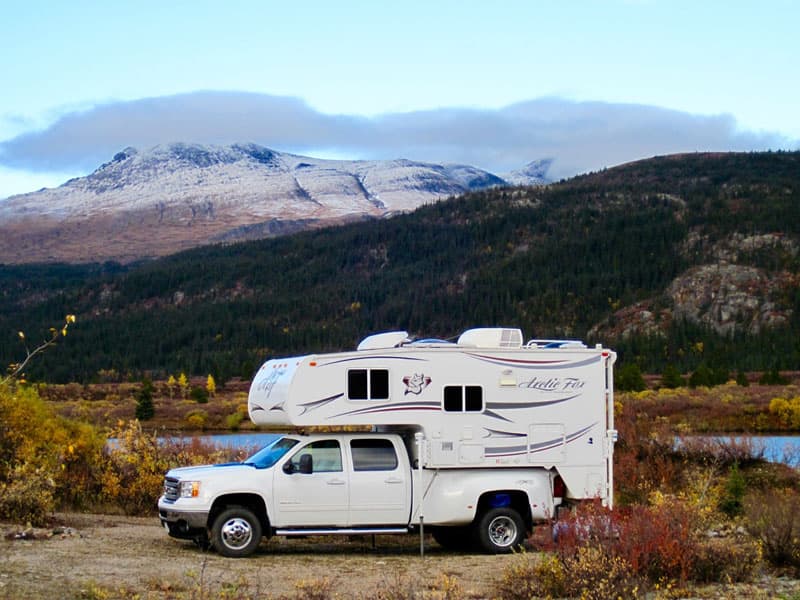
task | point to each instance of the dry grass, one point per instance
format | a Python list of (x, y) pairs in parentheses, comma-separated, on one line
[(105, 404)]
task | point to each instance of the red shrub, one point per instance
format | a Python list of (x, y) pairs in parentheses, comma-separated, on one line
[(658, 543)]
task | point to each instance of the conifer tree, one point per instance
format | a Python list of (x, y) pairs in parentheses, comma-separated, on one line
[(144, 401)]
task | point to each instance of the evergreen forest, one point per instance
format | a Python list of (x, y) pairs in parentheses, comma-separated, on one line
[(554, 261)]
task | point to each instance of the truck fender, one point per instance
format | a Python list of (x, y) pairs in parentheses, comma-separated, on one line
[(253, 502)]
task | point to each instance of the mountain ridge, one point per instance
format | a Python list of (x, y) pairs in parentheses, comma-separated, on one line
[(143, 204)]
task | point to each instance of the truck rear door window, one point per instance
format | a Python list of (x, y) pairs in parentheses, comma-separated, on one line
[(368, 384), (373, 455), (463, 398)]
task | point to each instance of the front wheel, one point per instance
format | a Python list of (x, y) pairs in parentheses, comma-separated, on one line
[(236, 532), (500, 530)]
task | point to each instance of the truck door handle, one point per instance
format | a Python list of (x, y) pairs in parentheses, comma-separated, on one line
[(336, 482), (393, 480)]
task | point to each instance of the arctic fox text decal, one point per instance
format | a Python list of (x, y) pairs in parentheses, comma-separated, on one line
[(555, 385)]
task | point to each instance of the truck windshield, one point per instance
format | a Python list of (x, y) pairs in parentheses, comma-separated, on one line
[(270, 454)]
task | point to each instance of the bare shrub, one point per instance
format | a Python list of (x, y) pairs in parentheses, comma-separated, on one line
[(774, 519), (529, 576), (314, 589), (595, 574), (732, 559), (724, 449), (591, 572), (28, 495), (645, 458)]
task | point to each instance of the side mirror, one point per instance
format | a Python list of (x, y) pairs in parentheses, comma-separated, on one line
[(288, 467), (306, 464)]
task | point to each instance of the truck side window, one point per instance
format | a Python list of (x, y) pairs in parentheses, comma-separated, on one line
[(368, 384), (463, 398), (326, 455), (373, 455)]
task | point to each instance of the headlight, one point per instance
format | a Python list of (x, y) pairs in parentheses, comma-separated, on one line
[(190, 489)]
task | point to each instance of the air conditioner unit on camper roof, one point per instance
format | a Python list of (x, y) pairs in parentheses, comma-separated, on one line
[(491, 337)]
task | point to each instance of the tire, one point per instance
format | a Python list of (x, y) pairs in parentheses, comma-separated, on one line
[(236, 532), (500, 530), (453, 538)]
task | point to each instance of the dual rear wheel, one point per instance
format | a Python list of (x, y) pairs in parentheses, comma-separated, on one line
[(497, 531)]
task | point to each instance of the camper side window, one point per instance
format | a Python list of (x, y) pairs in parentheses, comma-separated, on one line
[(368, 384), (463, 398)]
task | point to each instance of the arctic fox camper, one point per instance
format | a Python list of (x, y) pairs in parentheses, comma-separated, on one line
[(475, 441)]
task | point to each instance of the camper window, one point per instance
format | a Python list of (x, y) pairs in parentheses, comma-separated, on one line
[(368, 384), (373, 455), (467, 398)]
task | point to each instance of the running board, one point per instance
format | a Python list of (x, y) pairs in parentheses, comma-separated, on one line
[(347, 531)]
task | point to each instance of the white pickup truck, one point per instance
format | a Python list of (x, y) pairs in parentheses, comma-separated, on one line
[(474, 440), (352, 483)]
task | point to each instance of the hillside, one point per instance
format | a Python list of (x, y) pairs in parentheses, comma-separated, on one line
[(155, 202), (685, 259)]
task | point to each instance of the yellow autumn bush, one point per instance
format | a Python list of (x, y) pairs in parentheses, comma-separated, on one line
[(45, 460), (787, 410), (137, 459), (48, 462)]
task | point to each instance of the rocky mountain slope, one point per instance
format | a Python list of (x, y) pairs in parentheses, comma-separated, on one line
[(169, 198)]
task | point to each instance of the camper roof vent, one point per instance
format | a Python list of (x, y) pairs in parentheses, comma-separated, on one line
[(491, 337), (389, 339)]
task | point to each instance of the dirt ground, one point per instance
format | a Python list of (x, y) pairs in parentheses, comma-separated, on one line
[(99, 556), (111, 556)]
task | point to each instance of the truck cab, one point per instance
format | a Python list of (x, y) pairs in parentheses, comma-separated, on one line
[(351, 483), (297, 485)]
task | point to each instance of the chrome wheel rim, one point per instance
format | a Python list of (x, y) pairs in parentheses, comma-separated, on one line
[(502, 531), (236, 533)]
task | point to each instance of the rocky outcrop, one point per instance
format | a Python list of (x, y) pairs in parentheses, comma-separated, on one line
[(722, 295), (730, 298)]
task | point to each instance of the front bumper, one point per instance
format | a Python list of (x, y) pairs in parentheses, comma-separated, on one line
[(182, 524)]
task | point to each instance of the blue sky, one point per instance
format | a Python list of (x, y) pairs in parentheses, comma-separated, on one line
[(495, 84)]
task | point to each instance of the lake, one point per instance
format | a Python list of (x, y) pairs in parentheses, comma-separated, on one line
[(775, 448), (236, 440)]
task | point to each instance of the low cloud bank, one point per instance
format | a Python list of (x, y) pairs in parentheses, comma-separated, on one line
[(579, 136)]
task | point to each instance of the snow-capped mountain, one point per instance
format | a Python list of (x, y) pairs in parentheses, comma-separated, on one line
[(168, 198), (534, 173)]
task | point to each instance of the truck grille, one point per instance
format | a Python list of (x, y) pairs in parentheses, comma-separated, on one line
[(171, 489)]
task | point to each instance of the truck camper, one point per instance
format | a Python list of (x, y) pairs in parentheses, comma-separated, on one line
[(475, 440)]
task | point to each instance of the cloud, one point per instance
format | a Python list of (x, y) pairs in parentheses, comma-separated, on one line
[(580, 136)]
